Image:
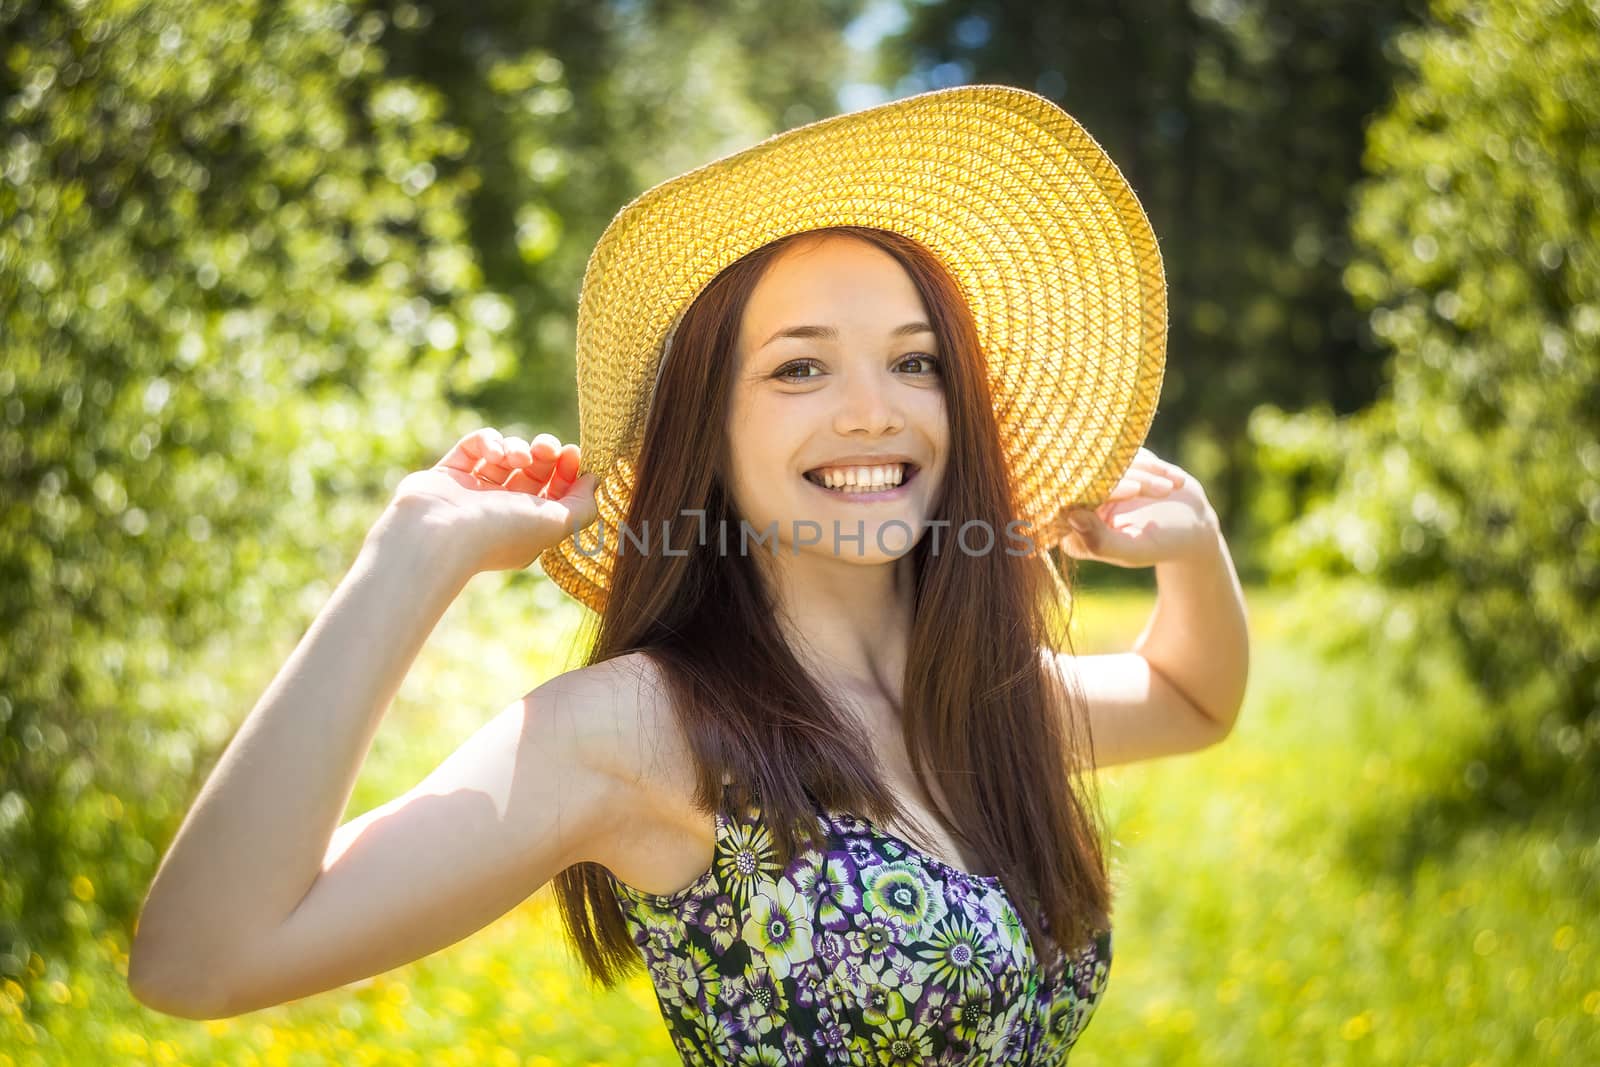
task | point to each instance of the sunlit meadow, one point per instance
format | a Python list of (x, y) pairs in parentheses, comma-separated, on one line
[(1279, 902)]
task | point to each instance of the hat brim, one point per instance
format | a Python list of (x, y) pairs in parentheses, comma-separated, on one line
[(1045, 238)]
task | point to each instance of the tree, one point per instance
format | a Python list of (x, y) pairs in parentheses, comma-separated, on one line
[(1461, 512), (236, 295)]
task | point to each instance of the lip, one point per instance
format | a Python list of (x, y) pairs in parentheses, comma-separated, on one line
[(895, 493), (868, 459)]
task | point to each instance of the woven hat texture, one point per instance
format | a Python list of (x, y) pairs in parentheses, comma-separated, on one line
[(1038, 227)]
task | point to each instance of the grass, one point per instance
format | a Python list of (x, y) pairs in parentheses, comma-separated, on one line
[(1296, 895)]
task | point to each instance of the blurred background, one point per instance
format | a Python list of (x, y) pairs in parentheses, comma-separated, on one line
[(257, 261)]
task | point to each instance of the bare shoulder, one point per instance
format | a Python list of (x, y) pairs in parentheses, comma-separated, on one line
[(621, 710), (629, 730)]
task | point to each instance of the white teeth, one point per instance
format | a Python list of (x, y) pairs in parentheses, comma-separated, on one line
[(864, 479)]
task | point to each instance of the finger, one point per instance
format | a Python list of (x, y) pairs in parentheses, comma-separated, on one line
[(579, 502), (1176, 473), (517, 453), (1101, 541), (564, 473), (1135, 483), (1093, 543), (1148, 462), (529, 463), (498, 469), (1072, 544), (473, 449), (1084, 524), (494, 466), (493, 471), (579, 496), (1170, 471), (486, 443), (521, 481), (1161, 485), (571, 454), (543, 451)]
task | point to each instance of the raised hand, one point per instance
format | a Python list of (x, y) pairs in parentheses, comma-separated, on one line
[(507, 498), (1157, 512)]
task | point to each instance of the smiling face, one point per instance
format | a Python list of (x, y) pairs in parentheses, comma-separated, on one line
[(837, 368)]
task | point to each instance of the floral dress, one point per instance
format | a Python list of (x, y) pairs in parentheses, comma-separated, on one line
[(867, 951)]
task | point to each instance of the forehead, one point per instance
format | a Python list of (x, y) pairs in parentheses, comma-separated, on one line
[(829, 281)]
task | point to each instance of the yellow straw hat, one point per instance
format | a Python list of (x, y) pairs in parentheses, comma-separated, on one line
[(1037, 226)]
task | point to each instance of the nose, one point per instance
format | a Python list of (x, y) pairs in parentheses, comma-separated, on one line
[(868, 402)]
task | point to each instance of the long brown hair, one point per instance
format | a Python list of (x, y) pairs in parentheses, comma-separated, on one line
[(979, 704)]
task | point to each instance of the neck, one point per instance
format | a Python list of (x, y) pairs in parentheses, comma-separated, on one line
[(849, 623)]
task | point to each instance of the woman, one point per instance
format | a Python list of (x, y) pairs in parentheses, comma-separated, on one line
[(827, 771)]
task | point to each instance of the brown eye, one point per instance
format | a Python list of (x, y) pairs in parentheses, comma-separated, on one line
[(787, 371), (932, 362)]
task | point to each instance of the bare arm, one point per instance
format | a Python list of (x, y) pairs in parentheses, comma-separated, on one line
[(255, 838), (1134, 713), (1197, 638), (1182, 685), (258, 899)]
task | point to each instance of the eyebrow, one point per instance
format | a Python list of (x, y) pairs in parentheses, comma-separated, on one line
[(829, 333)]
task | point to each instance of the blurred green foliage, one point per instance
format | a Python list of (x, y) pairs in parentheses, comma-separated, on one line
[(1460, 514), (236, 298)]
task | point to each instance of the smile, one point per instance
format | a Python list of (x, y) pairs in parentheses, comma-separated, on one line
[(864, 494)]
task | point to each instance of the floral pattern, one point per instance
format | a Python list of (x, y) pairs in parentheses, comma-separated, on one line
[(866, 951)]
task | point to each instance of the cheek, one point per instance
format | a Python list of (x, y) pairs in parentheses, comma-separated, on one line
[(765, 436), (754, 480)]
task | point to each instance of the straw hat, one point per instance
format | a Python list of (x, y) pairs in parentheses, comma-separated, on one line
[(1037, 226)]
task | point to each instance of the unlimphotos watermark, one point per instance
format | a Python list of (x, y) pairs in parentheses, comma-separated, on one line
[(975, 537)]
